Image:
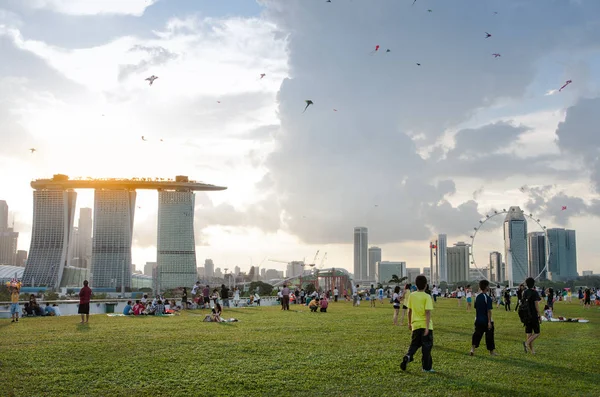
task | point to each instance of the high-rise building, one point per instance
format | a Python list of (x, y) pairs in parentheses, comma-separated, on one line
[(53, 213), (113, 232), (236, 271), (587, 273), (442, 258), (84, 238), (361, 258), (478, 274), (386, 269), (176, 259), (458, 262), (515, 246), (218, 273), (427, 273), (8, 247), (294, 268), (148, 268), (496, 268), (271, 274), (21, 258), (201, 273), (374, 257), (563, 254), (209, 268), (3, 216), (536, 248), (412, 273)]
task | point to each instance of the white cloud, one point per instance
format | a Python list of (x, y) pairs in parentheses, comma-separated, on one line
[(93, 7)]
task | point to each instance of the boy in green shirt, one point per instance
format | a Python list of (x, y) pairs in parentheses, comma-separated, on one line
[(420, 306)]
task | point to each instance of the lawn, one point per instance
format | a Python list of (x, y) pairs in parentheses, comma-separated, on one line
[(347, 352)]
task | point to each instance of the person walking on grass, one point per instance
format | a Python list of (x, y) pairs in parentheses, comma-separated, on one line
[(85, 294), (530, 314), (498, 296), (14, 303), (405, 296), (483, 320), (420, 306), (469, 294), (285, 295), (355, 295), (372, 293), (507, 299), (520, 295), (396, 302), (336, 293)]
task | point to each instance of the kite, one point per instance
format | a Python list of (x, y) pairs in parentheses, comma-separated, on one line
[(328, 1), (487, 35), (414, 2), (144, 138), (566, 84), (218, 101), (524, 188), (495, 12), (429, 10), (308, 103), (335, 110), (262, 75), (564, 207), (388, 50), (432, 246), (496, 55), (418, 64), (375, 50), (32, 150), (151, 79)]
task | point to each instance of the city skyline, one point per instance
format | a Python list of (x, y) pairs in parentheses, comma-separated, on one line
[(435, 163)]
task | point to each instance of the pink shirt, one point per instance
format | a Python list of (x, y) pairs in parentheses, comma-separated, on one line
[(85, 294)]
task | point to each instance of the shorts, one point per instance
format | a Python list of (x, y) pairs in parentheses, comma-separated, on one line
[(206, 300), (355, 298), (14, 308), (587, 302), (404, 307), (532, 327), (84, 308), (468, 300)]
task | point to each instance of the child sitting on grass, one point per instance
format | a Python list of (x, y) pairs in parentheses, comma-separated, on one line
[(420, 306), (548, 312)]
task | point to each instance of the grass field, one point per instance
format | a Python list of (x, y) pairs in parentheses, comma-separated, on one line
[(347, 352)]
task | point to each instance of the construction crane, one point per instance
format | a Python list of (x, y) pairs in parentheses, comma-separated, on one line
[(322, 261)]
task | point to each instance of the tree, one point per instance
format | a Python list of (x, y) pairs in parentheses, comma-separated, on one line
[(51, 296), (309, 289), (264, 289), (397, 280), (379, 285)]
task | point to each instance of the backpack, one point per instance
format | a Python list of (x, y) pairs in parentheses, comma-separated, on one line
[(526, 312)]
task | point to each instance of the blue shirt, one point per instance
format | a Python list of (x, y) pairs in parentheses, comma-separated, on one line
[(127, 310), (49, 309), (483, 303)]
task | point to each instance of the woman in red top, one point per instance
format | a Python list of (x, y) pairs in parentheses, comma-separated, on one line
[(85, 294)]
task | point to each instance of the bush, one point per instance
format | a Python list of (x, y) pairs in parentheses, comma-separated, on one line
[(51, 296), (264, 289)]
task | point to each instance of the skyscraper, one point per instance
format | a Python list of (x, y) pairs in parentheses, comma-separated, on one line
[(496, 268), (84, 238), (536, 247), (236, 271), (563, 258), (3, 216), (53, 213), (361, 258), (386, 269), (148, 268), (209, 269), (176, 245), (8, 247), (113, 231), (458, 262), (515, 246), (374, 257), (21, 258)]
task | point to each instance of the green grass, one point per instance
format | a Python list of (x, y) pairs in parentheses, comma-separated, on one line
[(347, 352)]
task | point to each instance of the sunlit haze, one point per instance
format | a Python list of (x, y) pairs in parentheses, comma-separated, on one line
[(407, 150)]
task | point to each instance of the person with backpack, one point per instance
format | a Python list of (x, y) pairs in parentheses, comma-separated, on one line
[(529, 313), (483, 320), (507, 299)]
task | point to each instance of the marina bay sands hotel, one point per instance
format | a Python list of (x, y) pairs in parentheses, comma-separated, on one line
[(114, 208)]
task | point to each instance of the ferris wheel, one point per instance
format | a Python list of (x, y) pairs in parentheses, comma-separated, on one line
[(514, 258)]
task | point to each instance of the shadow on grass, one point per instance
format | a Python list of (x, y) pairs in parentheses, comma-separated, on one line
[(83, 327)]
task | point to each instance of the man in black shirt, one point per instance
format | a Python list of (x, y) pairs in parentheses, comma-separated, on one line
[(225, 295), (532, 327)]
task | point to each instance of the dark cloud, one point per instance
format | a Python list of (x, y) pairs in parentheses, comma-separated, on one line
[(548, 206)]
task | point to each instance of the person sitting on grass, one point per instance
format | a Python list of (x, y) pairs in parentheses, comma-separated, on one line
[(324, 303), (420, 306), (49, 310), (56, 310), (314, 305), (160, 308), (216, 313), (138, 308), (128, 309), (548, 312), (27, 310)]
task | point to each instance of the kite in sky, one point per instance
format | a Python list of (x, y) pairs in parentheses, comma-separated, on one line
[(487, 35), (328, 1), (151, 79), (564, 207), (429, 10), (524, 188), (144, 138), (375, 50), (335, 110), (262, 75), (418, 64), (566, 84), (496, 55), (32, 150), (388, 50), (414, 2), (308, 103)]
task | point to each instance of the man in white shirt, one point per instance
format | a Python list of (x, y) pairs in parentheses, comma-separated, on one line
[(336, 292), (355, 295), (498, 295)]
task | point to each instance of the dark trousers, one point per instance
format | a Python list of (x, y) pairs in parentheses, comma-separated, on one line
[(518, 304), (507, 305), (286, 302), (481, 329), (434, 297), (335, 298), (419, 340)]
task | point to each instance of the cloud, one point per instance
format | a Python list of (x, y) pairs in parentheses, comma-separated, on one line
[(93, 7)]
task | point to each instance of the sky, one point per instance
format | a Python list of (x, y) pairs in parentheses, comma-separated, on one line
[(407, 150)]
